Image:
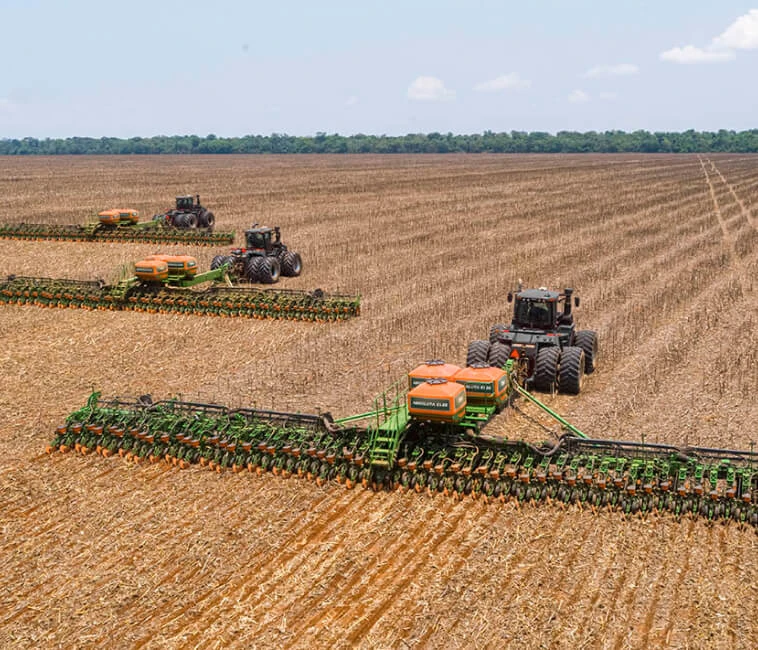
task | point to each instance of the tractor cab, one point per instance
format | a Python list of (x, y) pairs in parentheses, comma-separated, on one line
[(542, 336), (260, 238), (534, 312), (187, 203), (542, 309)]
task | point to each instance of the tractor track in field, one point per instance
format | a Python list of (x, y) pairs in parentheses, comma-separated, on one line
[(297, 600), (729, 237), (746, 213), (445, 577), (599, 234), (381, 556), (377, 550), (639, 576), (210, 598), (391, 586), (97, 554), (514, 561), (589, 611), (679, 582), (726, 233)]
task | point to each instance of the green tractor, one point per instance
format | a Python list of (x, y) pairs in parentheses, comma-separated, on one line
[(264, 259), (542, 332)]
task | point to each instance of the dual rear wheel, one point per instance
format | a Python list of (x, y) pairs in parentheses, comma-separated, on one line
[(554, 369), (561, 370), (263, 269)]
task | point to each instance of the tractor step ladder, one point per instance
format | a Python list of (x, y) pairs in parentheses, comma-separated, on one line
[(389, 424), (385, 443)]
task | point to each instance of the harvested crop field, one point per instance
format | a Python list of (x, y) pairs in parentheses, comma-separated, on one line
[(663, 251)]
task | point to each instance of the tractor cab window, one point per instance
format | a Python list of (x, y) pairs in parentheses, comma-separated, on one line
[(257, 239), (183, 202), (533, 313)]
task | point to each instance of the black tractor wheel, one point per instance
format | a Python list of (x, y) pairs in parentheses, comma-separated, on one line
[(269, 270), (205, 219), (496, 331), (587, 340), (571, 372), (478, 352), (218, 261), (191, 220), (546, 369), (178, 221), (292, 265), (499, 354), (253, 268)]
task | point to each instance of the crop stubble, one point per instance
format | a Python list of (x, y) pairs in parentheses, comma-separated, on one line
[(662, 252)]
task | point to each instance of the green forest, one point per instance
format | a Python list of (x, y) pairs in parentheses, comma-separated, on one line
[(488, 142)]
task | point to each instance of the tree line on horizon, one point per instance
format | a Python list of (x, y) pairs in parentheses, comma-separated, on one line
[(488, 142)]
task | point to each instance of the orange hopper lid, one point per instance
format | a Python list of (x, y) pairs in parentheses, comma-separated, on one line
[(435, 368), (474, 373), (436, 388)]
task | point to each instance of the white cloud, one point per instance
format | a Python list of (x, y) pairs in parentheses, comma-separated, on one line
[(618, 70), (6, 105), (692, 54), (742, 34), (578, 97), (351, 101), (429, 89), (503, 82), (609, 97)]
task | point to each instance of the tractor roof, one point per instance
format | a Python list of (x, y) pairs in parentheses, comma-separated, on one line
[(537, 294), (260, 229)]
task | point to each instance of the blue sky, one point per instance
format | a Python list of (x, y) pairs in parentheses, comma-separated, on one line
[(95, 68)]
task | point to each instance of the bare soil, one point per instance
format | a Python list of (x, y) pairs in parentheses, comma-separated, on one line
[(101, 553)]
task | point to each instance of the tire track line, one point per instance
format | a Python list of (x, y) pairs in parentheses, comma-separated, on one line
[(610, 564), (295, 528), (515, 560), (745, 211), (422, 640), (213, 597), (725, 234), (389, 588), (676, 595), (649, 615), (729, 238), (375, 548), (379, 563), (295, 601)]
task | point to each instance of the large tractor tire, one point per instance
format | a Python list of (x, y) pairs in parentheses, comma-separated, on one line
[(496, 331), (270, 270), (571, 371), (218, 261), (253, 268), (478, 352), (292, 265), (587, 340), (185, 220), (205, 219), (546, 369), (499, 354)]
